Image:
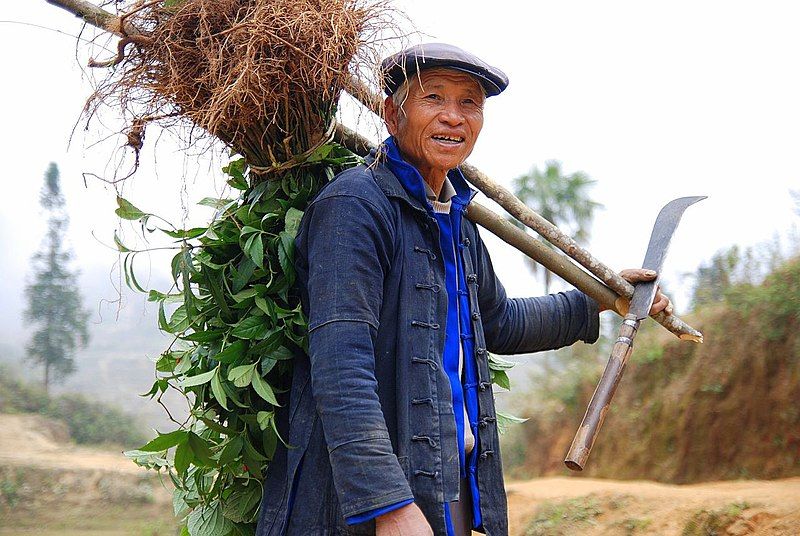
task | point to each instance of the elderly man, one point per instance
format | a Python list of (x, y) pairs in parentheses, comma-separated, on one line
[(391, 420)]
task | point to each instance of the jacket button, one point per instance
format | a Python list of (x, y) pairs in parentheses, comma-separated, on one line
[(466, 241), (476, 315), (472, 278)]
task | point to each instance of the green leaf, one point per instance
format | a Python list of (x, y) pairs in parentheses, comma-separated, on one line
[(292, 219), (247, 229), (243, 273), (264, 305), (504, 420), (150, 460), (183, 457), (269, 440), (200, 449), (242, 375), (286, 252), (163, 325), (120, 246), (217, 427), (498, 363), (127, 211), (208, 521), (194, 232), (179, 321), (204, 336), (179, 505), (256, 250), (130, 273), (214, 279), (264, 390), (281, 354), (501, 379), (199, 379), (165, 441), (214, 202), (239, 297), (217, 390), (264, 418), (231, 450), (232, 352), (242, 505), (184, 363), (252, 327)]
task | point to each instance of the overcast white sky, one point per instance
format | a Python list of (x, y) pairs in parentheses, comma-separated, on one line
[(654, 100)]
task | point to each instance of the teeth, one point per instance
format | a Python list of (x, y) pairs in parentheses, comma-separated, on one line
[(448, 138)]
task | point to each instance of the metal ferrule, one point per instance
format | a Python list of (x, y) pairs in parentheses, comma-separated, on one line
[(626, 340), (632, 323)]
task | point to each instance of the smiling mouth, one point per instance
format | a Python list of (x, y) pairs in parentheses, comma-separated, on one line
[(449, 139)]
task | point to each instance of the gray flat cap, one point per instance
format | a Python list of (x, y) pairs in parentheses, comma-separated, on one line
[(398, 67)]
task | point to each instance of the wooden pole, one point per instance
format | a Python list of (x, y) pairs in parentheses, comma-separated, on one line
[(614, 284), (94, 15)]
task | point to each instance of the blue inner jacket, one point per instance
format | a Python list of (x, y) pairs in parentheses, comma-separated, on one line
[(458, 334)]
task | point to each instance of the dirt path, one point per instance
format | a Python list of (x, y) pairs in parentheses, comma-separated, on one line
[(589, 506)]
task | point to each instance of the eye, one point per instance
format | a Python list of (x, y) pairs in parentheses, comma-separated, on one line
[(432, 96)]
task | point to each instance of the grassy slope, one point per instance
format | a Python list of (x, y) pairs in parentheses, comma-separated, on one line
[(688, 413)]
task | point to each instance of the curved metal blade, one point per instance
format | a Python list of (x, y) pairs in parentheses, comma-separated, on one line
[(666, 223)]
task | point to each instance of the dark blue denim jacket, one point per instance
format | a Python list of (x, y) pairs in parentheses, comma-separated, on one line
[(371, 278)]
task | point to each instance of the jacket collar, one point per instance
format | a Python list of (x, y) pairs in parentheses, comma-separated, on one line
[(399, 179)]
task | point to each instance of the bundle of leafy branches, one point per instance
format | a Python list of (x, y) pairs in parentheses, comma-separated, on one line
[(264, 77)]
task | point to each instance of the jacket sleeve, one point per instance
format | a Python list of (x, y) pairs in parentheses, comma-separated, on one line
[(523, 325), (348, 244)]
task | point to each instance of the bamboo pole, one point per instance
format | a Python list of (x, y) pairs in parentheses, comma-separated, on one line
[(617, 286)]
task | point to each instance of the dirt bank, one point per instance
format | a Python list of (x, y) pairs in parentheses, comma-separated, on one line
[(50, 486), (555, 506)]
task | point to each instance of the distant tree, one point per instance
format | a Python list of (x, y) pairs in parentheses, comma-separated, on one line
[(54, 305), (715, 277), (561, 199)]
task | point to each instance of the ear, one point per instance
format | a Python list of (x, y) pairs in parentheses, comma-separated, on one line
[(390, 112)]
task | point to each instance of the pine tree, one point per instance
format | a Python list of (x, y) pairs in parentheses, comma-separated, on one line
[(55, 308)]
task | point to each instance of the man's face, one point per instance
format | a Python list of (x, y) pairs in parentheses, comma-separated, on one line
[(437, 125)]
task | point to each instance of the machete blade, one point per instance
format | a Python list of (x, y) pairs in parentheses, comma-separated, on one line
[(666, 223)]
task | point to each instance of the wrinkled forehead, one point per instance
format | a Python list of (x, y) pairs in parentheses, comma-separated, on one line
[(440, 77)]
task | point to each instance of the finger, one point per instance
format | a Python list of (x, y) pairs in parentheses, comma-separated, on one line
[(636, 275), (661, 303)]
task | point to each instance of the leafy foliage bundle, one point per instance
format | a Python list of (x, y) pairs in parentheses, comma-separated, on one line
[(237, 324)]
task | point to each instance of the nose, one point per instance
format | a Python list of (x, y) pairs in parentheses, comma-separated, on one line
[(451, 114)]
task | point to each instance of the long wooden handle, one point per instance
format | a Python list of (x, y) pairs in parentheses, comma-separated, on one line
[(601, 399)]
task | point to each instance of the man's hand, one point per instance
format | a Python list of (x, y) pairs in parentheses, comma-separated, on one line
[(405, 521), (636, 275)]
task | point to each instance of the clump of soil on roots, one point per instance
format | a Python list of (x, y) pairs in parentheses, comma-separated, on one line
[(264, 76)]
